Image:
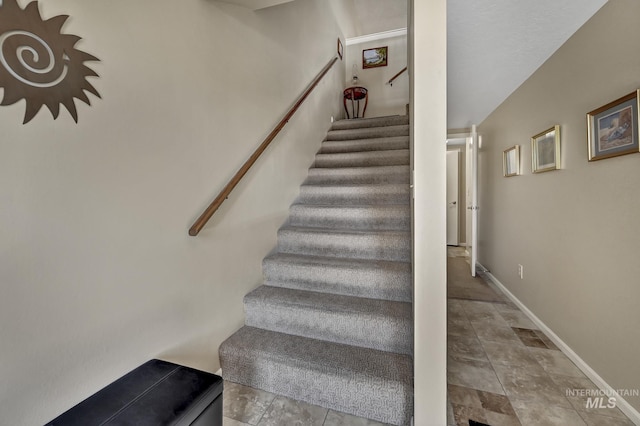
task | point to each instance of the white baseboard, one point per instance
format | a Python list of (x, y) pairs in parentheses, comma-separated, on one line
[(219, 372), (621, 403)]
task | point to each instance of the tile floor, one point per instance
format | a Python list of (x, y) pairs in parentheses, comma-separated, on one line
[(245, 406), (501, 371)]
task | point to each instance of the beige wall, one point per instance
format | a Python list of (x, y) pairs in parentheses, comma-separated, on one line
[(575, 230), (97, 271), (428, 53), (384, 99)]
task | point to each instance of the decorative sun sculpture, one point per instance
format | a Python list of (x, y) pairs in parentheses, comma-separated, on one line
[(40, 64)]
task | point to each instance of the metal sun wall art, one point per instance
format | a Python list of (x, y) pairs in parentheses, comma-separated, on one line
[(38, 63)]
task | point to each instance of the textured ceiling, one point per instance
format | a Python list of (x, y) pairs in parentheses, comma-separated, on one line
[(495, 45), (375, 16)]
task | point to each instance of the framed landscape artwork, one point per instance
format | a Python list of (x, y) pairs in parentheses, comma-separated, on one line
[(545, 150), (373, 58), (511, 161), (612, 129)]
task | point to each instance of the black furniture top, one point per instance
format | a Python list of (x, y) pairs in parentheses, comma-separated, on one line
[(155, 394)]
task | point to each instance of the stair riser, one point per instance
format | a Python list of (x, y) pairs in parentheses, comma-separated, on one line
[(385, 333), (370, 122), (396, 247), (327, 384), (363, 175), (385, 404), (354, 195), (376, 132), (371, 281), (362, 218), (398, 157), (364, 145), (402, 294)]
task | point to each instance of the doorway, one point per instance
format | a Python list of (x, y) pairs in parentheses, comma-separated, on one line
[(456, 191), (464, 146), (453, 198)]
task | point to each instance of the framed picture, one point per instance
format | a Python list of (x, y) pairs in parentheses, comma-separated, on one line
[(612, 130), (340, 48), (373, 58), (545, 150), (511, 161)]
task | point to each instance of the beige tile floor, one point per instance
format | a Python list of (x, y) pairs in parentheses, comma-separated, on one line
[(501, 371)]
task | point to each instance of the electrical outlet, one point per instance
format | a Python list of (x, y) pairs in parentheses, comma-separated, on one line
[(332, 119), (521, 271)]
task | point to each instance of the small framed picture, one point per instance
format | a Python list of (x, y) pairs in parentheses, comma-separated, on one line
[(612, 130), (511, 161), (545, 150), (373, 58), (340, 48)]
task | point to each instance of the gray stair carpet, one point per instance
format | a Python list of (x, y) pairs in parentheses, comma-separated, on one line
[(332, 323), (396, 157), (358, 175), (368, 132), (363, 145)]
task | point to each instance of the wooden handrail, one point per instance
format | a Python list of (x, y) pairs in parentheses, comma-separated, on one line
[(390, 82), (224, 194)]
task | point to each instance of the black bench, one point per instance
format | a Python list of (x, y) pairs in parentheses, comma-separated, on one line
[(157, 393)]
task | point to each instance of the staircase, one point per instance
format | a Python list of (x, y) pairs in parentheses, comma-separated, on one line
[(332, 325)]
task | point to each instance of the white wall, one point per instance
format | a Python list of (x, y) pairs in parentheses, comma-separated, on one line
[(97, 271), (574, 230), (428, 53), (383, 98)]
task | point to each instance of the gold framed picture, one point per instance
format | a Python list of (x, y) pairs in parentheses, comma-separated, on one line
[(373, 58), (545, 150), (612, 129), (511, 161)]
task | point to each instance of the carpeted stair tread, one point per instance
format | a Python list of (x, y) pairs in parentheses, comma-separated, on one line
[(358, 175), (393, 157), (370, 323), (396, 193), (386, 280), (363, 217), (391, 120), (368, 132), (379, 244), (362, 145), (360, 381)]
